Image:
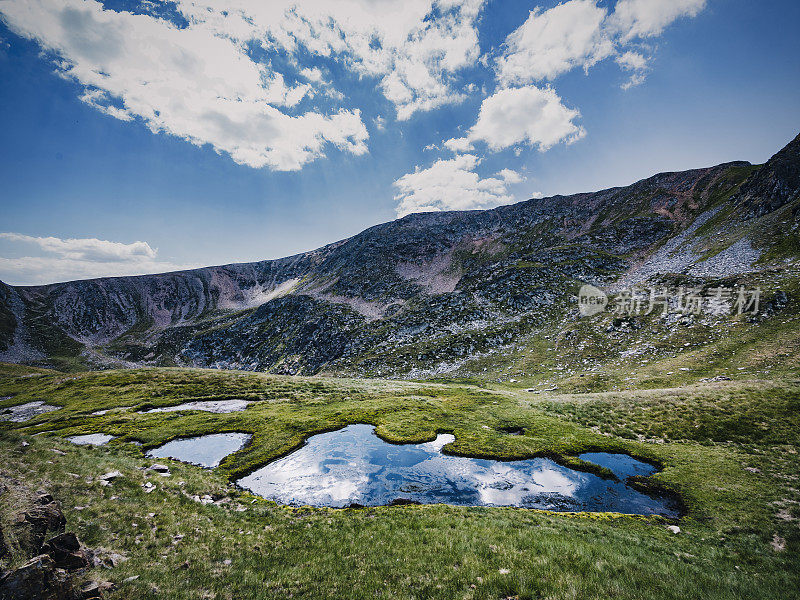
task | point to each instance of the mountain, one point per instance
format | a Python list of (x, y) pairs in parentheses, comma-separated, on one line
[(468, 294)]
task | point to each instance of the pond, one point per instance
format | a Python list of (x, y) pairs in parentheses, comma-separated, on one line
[(204, 450), (354, 466), (91, 439), (25, 412), (214, 406)]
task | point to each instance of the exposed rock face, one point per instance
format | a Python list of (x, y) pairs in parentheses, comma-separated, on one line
[(47, 574), (38, 579), (422, 290), (774, 185), (33, 525), (66, 552)]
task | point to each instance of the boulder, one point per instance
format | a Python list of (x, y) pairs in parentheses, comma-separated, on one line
[(110, 476), (66, 552), (93, 590), (37, 579), (32, 525)]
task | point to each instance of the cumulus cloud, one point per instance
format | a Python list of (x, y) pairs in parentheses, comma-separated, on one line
[(573, 34), (530, 115), (458, 145), (552, 42), (452, 185), (213, 80), (68, 259), (580, 33), (413, 47), (194, 83), (510, 176), (645, 18)]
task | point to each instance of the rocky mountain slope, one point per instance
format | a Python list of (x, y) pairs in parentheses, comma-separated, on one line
[(432, 294)]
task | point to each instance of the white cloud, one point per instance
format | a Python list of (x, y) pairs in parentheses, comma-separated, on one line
[(579, 33), (552, 42), (530, 115), (457, 145), (414, 47), (510, 176), (452, 185), (312, 74), (632, 61), (194, 83), (70, 259), (635, 62), (644, 18), (86, 248)]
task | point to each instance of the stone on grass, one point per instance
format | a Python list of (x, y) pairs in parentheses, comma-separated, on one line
[(66, 552), (38, 578)]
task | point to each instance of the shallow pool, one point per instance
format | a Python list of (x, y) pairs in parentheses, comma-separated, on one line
[(204, 450), (214, 406), (91, 439), (354, 466), (25, 412)]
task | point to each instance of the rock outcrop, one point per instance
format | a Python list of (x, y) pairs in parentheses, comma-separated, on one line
[(774, 185), (48, 562), (417, 293)]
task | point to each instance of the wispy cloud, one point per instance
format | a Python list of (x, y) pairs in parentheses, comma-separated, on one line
[(67, 259)]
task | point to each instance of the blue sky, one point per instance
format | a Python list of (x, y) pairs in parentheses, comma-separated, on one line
[(144, 137)]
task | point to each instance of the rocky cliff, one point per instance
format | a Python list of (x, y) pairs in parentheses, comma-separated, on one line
[(430, 293)]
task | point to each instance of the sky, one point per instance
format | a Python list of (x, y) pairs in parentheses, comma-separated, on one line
[(143, 137)]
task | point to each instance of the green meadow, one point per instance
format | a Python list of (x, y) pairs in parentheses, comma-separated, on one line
[(727, 449)]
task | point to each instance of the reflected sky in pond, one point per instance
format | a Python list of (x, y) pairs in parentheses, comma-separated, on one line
[(204, 450), (353, 465), (91, 439), (214, 406)]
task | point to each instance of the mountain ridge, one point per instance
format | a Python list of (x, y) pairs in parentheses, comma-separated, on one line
[(479, 274)]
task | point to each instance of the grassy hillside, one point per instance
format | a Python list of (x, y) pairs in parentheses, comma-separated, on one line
[(729, 449)]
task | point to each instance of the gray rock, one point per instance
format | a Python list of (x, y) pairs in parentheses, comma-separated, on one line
[(37, 579)]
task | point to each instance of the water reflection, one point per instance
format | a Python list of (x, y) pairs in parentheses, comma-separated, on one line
[(205, 450), (91, 439), (353, 465), (213, 406)]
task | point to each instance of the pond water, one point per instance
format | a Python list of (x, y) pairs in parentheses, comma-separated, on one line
[(205, 450), (91, 439), (622, 465), (24, 412), (354, 466), (214, 406)]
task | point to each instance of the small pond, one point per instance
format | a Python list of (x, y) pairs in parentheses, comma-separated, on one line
[(25, 412), (91, 439), (214, 406), (354, 466), (205, 450)]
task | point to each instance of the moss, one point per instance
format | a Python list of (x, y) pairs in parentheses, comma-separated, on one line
[(180, 547)]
